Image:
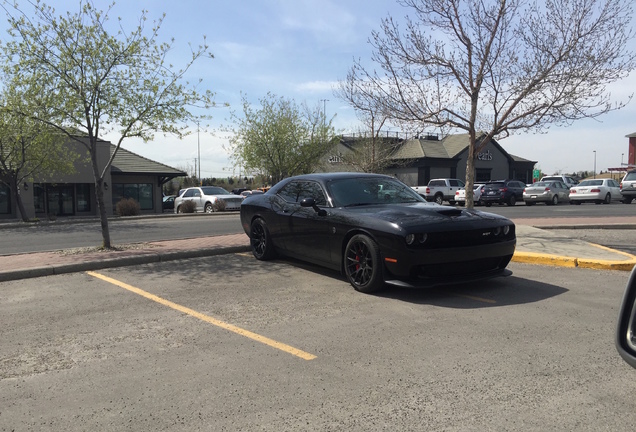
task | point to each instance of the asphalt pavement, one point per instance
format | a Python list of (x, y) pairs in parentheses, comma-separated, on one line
[(537, 243)]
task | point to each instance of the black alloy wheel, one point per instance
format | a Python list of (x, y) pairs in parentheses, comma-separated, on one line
[(362, 264), (260, 240)]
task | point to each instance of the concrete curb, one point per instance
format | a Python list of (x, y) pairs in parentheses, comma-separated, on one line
[(119, 262), (565, 261)]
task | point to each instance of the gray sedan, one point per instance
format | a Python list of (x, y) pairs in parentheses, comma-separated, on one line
[(549, 192)]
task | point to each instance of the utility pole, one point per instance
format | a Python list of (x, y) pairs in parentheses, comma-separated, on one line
[(324, 111), (199, 154)]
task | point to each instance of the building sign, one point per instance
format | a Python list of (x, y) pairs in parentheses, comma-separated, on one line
[(484, 156), (335, 159)]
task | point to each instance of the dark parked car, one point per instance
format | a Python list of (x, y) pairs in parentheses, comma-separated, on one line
[(625, 337), (168, 202), (377, 231), (502, 192)]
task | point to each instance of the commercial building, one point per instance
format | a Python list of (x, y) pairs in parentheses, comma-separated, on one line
[(417, 160), (130, 176)]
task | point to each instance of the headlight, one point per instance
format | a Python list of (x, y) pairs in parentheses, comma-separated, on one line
[(497, 231), (412, 238), (506, 230)]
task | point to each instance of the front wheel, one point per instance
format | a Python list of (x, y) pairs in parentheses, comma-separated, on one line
[(362, 264), (261, 241), (209, 208)]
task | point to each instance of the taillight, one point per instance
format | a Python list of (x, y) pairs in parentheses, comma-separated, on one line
[(457, 193), (595, 190), (547, 189), (572, 191), (505, 189), (428, 190), (621, 185)]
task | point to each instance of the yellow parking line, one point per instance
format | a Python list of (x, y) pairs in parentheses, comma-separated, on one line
[(248, 334), (480, 299)]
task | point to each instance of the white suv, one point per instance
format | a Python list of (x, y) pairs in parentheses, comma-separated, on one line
[(628, 187), (569, 181), (206, 197)]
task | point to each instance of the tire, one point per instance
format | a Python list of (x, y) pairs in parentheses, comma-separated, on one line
[(627, 200), (209, 208), (362, 265), (439, 199), (528, 203), (179, 210), (555, 200), (488, 204), (608, 199), (512, 200), (261, 241)]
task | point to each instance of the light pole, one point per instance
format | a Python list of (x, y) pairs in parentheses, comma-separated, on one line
[(199, 153), (622, 154), (594, 163)]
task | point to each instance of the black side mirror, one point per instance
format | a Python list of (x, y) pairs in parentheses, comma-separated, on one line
[(310, 202), (626, 327)]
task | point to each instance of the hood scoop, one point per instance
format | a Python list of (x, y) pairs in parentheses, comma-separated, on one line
[(450, 212)]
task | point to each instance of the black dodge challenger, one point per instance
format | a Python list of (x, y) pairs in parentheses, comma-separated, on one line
[(377, 231)]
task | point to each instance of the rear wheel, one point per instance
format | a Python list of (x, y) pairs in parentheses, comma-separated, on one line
[(555, 200), (608, 198), (528, 203), (439, 199), (362, 264), (261, 241), (627, 200)]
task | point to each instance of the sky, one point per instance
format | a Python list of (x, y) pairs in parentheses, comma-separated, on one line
[(300, 49)]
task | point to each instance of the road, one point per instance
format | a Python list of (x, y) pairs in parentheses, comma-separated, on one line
[(153, 349), (45, 237)]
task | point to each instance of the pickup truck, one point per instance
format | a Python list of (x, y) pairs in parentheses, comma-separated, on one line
[(440, 190)]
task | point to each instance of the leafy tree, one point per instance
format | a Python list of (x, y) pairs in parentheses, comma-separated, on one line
[(495, 67), (279, 139), (90, 81), (28, 149)]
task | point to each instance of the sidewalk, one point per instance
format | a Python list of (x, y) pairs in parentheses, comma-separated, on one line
[(534, 245)]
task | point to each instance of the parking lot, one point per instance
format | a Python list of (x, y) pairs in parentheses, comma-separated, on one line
[(230, 343)]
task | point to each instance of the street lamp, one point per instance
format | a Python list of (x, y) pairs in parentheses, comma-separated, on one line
[(594, 163)]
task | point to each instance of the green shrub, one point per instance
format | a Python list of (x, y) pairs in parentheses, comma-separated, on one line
[(128, 207), (187, 207)]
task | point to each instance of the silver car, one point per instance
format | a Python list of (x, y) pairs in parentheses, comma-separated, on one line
[(207, 199), (549, 192), (595, 190)]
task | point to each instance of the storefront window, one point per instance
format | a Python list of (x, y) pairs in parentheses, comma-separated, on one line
[(39, 198), (140, 192), (83, 197), (5, 199)]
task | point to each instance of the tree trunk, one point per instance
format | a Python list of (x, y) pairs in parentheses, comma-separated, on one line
[(18, 201), (470, 171), (99, 192)]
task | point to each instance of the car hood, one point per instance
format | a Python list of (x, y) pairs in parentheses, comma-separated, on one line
[(415, 214), (227, 197)]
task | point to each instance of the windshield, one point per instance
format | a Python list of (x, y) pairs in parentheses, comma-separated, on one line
[(541, 184), (370, 190), (214, 190), (591, 183)]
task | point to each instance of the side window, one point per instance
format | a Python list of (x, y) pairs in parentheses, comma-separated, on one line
[(296, 191), (453, 183), (189, 193)]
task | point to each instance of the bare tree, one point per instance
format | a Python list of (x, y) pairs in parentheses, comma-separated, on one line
[(495, 67), (369, 152)]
